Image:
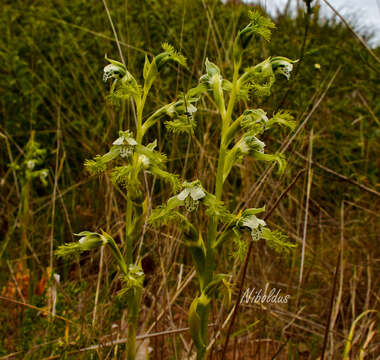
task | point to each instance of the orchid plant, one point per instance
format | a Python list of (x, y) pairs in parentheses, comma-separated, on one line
[(239, 137), (30, 170), (131, 159)]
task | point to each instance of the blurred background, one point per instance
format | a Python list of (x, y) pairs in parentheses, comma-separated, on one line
[(51, 92)]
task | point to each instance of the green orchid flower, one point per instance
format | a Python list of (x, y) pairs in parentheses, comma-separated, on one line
[(253, 223), (282, 65), (191, 194), (125, 143)]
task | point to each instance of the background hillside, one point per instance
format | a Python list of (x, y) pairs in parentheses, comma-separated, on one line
[(51, 64)]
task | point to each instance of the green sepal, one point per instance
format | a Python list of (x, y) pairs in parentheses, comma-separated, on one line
[(252, 211), (154, 156), (116, 63), (177, 110), (248, 144), (214, 81), (254, 121)]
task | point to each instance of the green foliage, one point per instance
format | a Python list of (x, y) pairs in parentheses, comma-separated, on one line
[(88, 241), (259, 25), (277, 240), (283, 118), (252, 123), (169, 54), (51, 56)]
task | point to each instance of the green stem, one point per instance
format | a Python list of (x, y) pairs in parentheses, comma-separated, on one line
[(25, 194), (140, 108), (231, 102), (219, 181), (134, 297), (129, 210), (128, 230)]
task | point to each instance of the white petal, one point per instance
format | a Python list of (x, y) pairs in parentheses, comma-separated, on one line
[(244, 148), (131, 141), (183, 194), (30, 164), (261, 222), (110, 67), (253, 222), (145, 160), (191, 109), (119, 141), (197, 193)]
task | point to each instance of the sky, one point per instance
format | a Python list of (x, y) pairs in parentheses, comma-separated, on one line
[(367, 12)]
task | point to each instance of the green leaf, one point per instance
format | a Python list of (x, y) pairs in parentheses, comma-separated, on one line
[(198, 252), (195, 326), (247, 328), (146, 67), (213, 285)]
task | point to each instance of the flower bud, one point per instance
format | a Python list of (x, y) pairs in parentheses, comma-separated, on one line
[(90, 240)]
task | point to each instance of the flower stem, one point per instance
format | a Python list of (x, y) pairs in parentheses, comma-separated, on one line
[(219, 181)]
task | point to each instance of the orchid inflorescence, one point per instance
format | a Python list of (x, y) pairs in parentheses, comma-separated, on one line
[(129, 157), (239, 137)]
